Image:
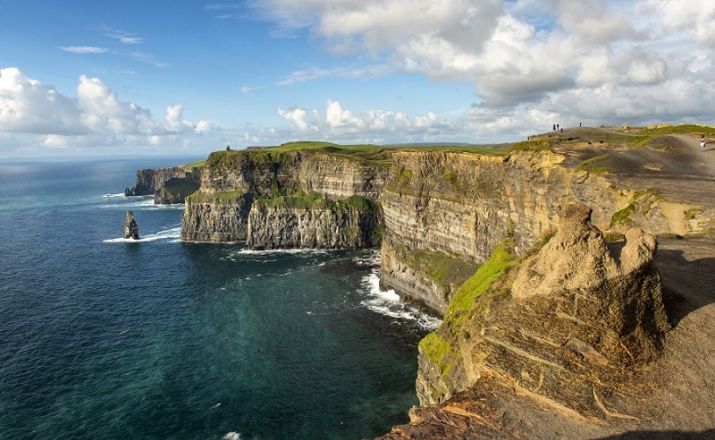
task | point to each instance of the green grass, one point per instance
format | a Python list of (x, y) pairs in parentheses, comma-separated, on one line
[(596, 165), (452, 178), (535, 145), (437, 350), (623, 216), (221, 197), (367, 154), (197, 164), (312, 200), (401, 181), (464, 299), (440, 346), (445, 270), (679, 129), (474, 149), (638, 137)]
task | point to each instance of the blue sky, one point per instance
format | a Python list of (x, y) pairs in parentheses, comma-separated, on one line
[(156, 77)]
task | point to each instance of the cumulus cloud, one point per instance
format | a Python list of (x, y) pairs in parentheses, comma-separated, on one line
[(94, 115), (338, 123), (174, 121), (554, 56), (28, 106), (694, 17)]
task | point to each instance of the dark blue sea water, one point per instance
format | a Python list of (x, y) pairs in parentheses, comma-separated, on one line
[(104, 339)]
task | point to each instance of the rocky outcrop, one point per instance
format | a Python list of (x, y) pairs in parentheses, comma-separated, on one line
[(565, 326), (131, 228)]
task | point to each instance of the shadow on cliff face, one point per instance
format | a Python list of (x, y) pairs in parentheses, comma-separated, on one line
[(687, 281), (663, 435)]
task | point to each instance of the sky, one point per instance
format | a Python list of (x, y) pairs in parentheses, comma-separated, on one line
[(89, 78)]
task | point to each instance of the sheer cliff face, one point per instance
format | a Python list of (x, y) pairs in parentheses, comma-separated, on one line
[(462, 205), (285, 200), (427, 209), (150, 180)]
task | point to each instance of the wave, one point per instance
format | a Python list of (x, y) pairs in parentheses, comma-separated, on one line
[(281, 251), (173, 233), (387, 302), (136, 202), (231, 436)]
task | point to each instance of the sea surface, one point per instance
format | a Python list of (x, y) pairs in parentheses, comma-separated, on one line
[(102, 338)]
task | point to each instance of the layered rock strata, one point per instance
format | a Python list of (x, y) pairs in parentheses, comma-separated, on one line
[(150, 180), (286, 200), (461, 205), (566, 329), (167, 185)]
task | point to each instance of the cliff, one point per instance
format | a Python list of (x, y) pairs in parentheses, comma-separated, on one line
[(285, 199), (543, 319), (460, 206), (167, 185)]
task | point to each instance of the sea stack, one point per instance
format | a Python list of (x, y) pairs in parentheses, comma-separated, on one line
[(131, 228)]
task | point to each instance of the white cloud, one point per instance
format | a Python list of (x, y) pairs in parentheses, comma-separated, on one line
[(28, 106), (174, 121), (362, 72), (339, 123), (550, 57), (694, 17), (148, 58), (122, 36), (82, 50), (295, 116), (37, 113)]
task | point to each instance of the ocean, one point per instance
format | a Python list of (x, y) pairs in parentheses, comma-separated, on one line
[(101, 338)]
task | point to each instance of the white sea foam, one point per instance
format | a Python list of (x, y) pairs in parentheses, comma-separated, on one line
[(387, 302), (136, 202), (231, 436), (280, 251), (172, 233)]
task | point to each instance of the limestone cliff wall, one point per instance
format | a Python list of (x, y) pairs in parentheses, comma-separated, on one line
[(286, 199), (462, 205), (149, 180), (275, 227), (213, 219)]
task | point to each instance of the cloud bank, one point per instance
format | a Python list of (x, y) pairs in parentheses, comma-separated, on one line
[(39, 114), (592, 60)]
